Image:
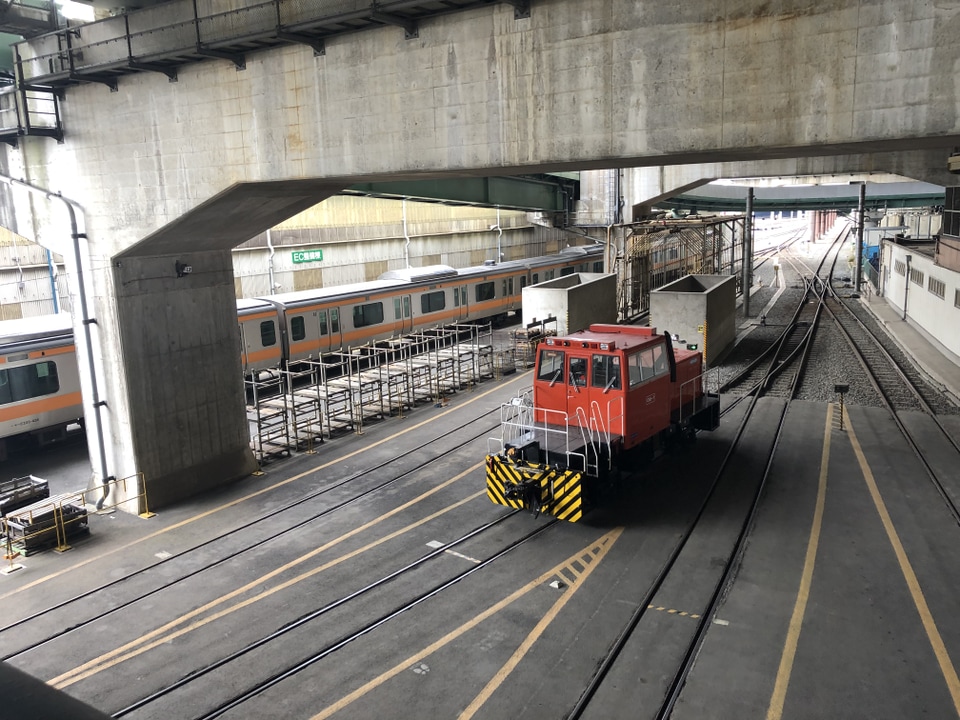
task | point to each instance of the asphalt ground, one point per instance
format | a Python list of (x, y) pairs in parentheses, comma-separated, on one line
[(844, 603)]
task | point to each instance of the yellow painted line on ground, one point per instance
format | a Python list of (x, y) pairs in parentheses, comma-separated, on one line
[(162, 635), (597, 549), (232, 503), (926, 617), (775, 709), (508, 667)]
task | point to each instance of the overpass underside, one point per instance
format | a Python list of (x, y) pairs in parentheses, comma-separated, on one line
[(187, 131)]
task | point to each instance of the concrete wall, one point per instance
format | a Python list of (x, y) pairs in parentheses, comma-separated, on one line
[(203, 164), (701, 309), (575, 300), (937, 318)]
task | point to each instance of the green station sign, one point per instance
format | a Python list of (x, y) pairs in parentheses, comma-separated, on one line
[(305, 256)]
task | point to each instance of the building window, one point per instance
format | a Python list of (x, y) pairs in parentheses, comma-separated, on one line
[(28, 381), (916, 276), (432, 302), (900, 267), (268, 333), (485, 291), (937, 287), (956, 298), (298, 328), (369, 314)]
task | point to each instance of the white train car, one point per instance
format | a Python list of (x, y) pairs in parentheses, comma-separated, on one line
[(39, 379), (40, 383), (312, 322)]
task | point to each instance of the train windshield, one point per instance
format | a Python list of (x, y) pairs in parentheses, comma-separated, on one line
[(550, 366)]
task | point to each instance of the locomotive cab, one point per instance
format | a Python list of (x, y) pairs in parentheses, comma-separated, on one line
[(601, 398)]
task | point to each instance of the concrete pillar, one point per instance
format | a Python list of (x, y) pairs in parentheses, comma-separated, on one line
[(185, 396)]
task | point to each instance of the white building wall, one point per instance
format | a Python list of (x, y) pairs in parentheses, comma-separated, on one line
[(937, 317)]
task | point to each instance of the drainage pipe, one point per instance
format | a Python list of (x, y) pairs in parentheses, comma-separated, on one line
[(273, 286)]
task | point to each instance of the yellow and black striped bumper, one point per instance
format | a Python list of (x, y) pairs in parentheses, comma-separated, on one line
[(524, 485)]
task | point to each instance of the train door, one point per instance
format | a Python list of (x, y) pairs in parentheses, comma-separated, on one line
[(460, 302), (578, 396), (404, 316)]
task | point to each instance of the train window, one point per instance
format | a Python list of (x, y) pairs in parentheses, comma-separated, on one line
[(550, 366), (566, 271), (578, 371), (322, 319), (456, 297), (268, 333), (298, 328), (368, 314), (640, 367), (335, 320), (433, 302), (485, 291), (507, 287), (598, 266), (549, 274), (523, 281), (606, 372), (536, 278), (660, 364), (28, 381), (396, 309)]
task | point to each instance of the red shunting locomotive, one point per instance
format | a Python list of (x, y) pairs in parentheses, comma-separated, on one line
[(603, 399)]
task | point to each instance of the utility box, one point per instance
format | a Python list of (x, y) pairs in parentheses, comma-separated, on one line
[(701, 309), (575, 300)]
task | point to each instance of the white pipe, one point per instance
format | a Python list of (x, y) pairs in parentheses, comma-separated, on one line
[(77, 232), (406, 235), (273, 286), (499, 235)]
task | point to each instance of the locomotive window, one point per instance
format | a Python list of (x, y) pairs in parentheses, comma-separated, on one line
[(550, 367), (29, 381), (369, 314), (298, 328), (660, 364), (268, 333), (606, 372), (640, 367), (485, 291), (433, 302), (322, 318), (335, 320)]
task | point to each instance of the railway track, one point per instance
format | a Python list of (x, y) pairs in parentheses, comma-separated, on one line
[(320, 653), (439, 451)]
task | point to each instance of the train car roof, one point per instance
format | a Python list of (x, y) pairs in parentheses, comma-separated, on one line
[(35, 328), (427, 273), (619, 337), (355, 290)]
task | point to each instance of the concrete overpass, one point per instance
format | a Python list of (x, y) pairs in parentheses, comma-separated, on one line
[(167, 172)]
